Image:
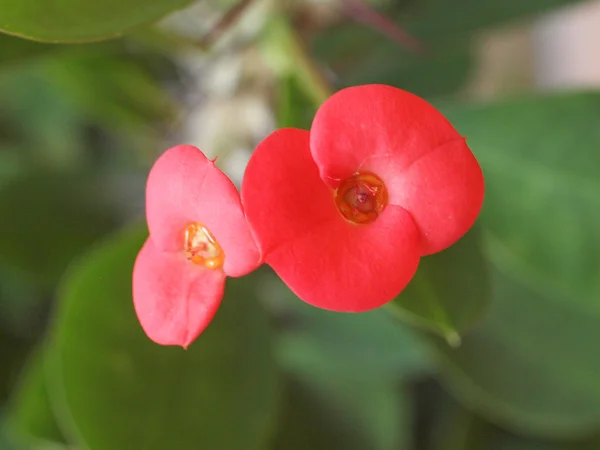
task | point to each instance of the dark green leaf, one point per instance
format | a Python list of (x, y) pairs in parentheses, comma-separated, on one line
[(122, 391), (80, 21), (344, 376), (442, 18), (49, 218), (365, 346), (325, 413), (361, 56), (115, 91), (294, 106), (13, 49), (31, 417), (542, 206), (532, 364), (450, 291), (460, 429), (13, 354)]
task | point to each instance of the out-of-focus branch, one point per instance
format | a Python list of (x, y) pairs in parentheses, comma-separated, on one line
[(363, 13), (298, 60), (229, 19)]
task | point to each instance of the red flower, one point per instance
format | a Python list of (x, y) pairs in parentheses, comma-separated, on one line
[(198, 235), (344, 212)]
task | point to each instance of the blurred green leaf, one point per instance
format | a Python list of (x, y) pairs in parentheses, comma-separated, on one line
[(48, 219), (542, 206), (450, 291), (13, 49), (21, 303), (325, 413), (459, 429), (442, 18), (532, 364), (344, 375), (115, 91), (358, 55), (87, 102), (13, 353), (77, 21), (31, 417), (365, 346), (6, 442), (294, 108), (122, 391)]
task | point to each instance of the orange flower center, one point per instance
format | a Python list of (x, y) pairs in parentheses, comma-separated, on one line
[(202, 248), (361, 197)]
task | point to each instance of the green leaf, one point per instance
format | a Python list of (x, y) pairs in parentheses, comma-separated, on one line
[(542, 208), (441, 18), (365, 346), (31, 417), (532, 365), (12, 358), (114, 90), (80, 21), (295, 109), (324, 413), (450, 291), (122, 391), (344, 372), (48, 219), (458, 429), (359, 55), (13, 49)]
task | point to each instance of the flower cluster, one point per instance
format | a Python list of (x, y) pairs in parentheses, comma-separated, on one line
[(342, 212)]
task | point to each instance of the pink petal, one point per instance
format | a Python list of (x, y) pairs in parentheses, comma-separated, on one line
[(327, 261), (443, 191), (185, 187), (174, 299), (364, 123)]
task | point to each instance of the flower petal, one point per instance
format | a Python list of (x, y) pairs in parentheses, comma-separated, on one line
[(343, 267), (362, 123), (443, 191), (282, 193), (324, 259), (185, 187), (174, 299)]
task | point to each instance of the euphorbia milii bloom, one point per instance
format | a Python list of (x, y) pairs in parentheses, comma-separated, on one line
[(344, 212), (198, 235)]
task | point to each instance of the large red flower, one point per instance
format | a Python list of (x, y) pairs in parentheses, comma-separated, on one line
[(198, 235), (344, 212)]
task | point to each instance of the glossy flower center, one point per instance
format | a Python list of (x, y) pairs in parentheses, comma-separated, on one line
[(202, 248), (361, 197)]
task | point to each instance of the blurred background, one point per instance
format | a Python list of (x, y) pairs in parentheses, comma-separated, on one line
[(495, 345)]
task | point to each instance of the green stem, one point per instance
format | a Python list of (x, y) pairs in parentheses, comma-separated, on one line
[(299, 62)]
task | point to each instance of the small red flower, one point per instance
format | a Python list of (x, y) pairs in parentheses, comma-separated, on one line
[(344, 212), (198, 235)]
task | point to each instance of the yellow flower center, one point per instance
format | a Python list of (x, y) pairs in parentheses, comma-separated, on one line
[(361, 198), (202, 248)]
